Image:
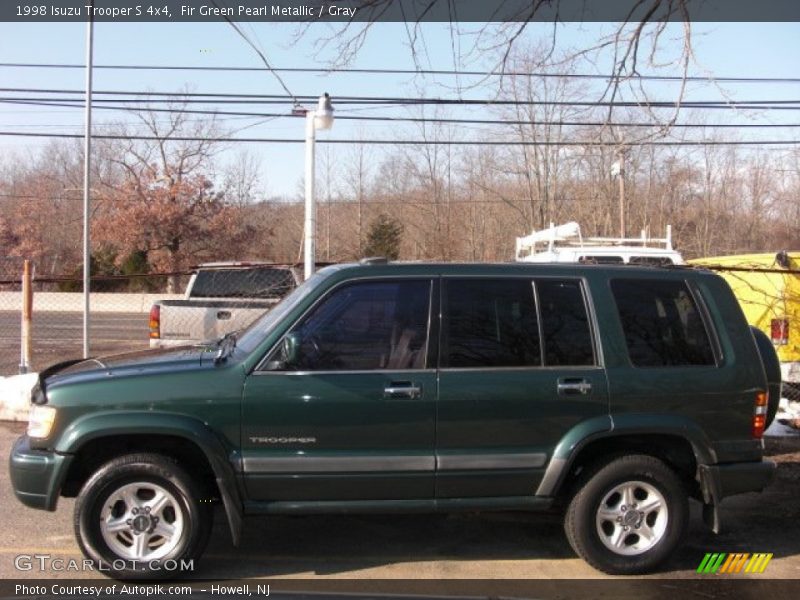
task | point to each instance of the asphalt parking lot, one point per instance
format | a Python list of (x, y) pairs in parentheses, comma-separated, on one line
[(462, 546), (58, 336)]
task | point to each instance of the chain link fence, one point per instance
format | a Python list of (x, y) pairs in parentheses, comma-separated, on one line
[(121, 309), (224, 297), (118, 318)]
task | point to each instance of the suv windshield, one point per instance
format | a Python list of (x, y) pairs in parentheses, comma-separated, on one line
[(249, 339)]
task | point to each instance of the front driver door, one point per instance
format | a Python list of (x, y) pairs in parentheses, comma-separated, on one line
[(344, 407)]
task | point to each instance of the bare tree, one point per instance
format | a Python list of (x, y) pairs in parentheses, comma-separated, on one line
[(639, 38), (165, 204)]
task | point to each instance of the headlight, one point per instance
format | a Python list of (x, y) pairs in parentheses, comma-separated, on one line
[(40, 421)]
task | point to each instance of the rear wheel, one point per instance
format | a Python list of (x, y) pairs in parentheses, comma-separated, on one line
[(140, 515), (629, 515)]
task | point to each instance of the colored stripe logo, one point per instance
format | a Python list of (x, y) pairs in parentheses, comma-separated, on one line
[(743, 562)]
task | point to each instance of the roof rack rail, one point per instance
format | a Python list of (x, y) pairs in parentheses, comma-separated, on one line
[(569, 235), (374, 260)]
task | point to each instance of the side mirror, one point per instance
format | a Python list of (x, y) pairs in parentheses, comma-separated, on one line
[(291, 348), (287, 355)]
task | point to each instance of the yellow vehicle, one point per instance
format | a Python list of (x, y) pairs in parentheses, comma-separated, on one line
[(768, 289)]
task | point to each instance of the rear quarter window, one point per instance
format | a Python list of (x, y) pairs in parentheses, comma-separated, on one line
[(490, 323), (662, 324)]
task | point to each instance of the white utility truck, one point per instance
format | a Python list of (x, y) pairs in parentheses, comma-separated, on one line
[(565, 244)]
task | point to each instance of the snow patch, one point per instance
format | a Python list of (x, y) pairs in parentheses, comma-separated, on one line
[(15, 396), (788, 413)]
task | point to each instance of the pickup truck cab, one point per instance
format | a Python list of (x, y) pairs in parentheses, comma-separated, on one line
[(221, 297), (614, 394)]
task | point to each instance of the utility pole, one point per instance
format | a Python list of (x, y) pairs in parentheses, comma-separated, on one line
[(87, 153), (322, 118), (618, 171), (622, 195)]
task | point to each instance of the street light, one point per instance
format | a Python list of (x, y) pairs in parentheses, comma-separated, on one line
[(87, 157), (322, 118)]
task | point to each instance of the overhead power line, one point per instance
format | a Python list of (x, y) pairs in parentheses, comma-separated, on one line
[(454, 72), (377, 101), (387, 142), (344, 117), (258, 51), (148, 96)]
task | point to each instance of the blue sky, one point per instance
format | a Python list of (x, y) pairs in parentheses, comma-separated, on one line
[(721, 49)]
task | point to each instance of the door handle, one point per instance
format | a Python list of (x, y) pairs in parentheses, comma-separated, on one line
[(223, 315), (402, 390), (568, 387)]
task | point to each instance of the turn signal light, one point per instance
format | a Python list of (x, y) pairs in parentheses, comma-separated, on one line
[(760, 414), (779, 331), (155, 322)]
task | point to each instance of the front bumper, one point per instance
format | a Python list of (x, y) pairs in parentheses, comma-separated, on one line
[(36, 475)]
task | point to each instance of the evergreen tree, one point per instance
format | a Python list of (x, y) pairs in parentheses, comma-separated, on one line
[(384, 237)]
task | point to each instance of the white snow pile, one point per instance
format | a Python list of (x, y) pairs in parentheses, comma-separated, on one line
[(15, 396), (787, 419)]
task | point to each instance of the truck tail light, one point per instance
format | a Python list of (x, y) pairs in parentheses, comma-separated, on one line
[(760, 414), (779, 331), (155, 322)]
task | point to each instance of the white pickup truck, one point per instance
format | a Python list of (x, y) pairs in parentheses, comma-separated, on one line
[(220, 298)]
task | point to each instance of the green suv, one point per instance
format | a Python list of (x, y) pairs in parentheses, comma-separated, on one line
[(611, 393)]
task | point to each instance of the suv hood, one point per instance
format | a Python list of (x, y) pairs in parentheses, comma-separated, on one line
[(129, 363)]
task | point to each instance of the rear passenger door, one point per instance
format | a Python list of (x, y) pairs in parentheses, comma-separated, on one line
[(518, 369)]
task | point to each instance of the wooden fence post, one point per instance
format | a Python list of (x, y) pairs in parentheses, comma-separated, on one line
[(27, 314)]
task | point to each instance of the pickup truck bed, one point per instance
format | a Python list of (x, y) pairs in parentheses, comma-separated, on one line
[(219, 298)]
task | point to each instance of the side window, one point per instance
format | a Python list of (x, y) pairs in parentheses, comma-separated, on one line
[(601, 260), (565, 323), (656, 261), (490, 323), (363, 326), (661, 323)]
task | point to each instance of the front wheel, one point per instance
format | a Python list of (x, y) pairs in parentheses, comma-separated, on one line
[(142, 516), (629, 516)]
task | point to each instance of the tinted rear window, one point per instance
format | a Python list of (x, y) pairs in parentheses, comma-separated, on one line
[(565, 323), (490, 323), (661, 323), (267, 282), (494, 323)]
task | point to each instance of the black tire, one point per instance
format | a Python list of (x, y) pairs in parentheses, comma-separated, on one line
[(772, 368), (591, 533), (135, 476)]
